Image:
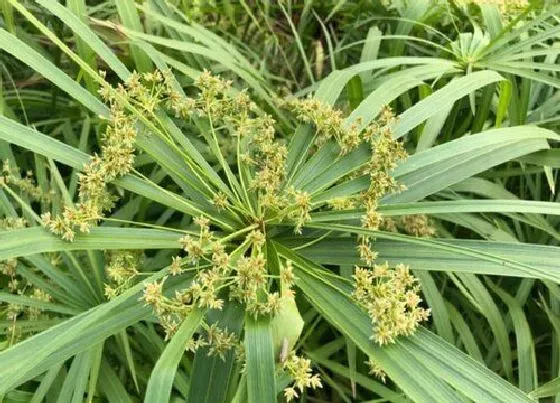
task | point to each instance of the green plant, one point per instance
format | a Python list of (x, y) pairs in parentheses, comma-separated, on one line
[(194, 240)]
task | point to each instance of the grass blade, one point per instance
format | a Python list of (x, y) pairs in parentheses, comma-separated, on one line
[(261, 378), (163, 374)]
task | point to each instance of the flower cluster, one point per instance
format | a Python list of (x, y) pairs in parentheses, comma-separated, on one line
[(218, 273), (270, 158), (8, 269), (13, 312), (391, 299), (328, 121), (417, 225), (170, 311), (19, 286), (121, 271), (26, 184), (218, 341), (254, 132), (203, 291), (140, 94), (299, 369), (342, 203), (376, 370), (385, 154), (40, 295), (13, 223), (302, 202), (216, 101)]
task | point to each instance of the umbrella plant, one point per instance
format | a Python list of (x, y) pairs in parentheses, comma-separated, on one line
[(195, 235)]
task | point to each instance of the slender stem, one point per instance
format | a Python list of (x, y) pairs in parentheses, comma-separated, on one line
[(235, 234), (241, 178), (147, 225), (182, 200), (221, 159)]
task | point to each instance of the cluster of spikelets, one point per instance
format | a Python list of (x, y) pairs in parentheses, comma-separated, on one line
[(385, 154), (244, 275), (376, 370), (390, 296), (24, 184), (417, 225), (328, 122), (141, 94), (14, 312), (218, 342), (299, 369), (254, 131), (18, 286), (121, 271), (250, 272)]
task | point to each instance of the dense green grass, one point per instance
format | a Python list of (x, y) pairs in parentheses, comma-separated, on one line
[(474, 89)]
